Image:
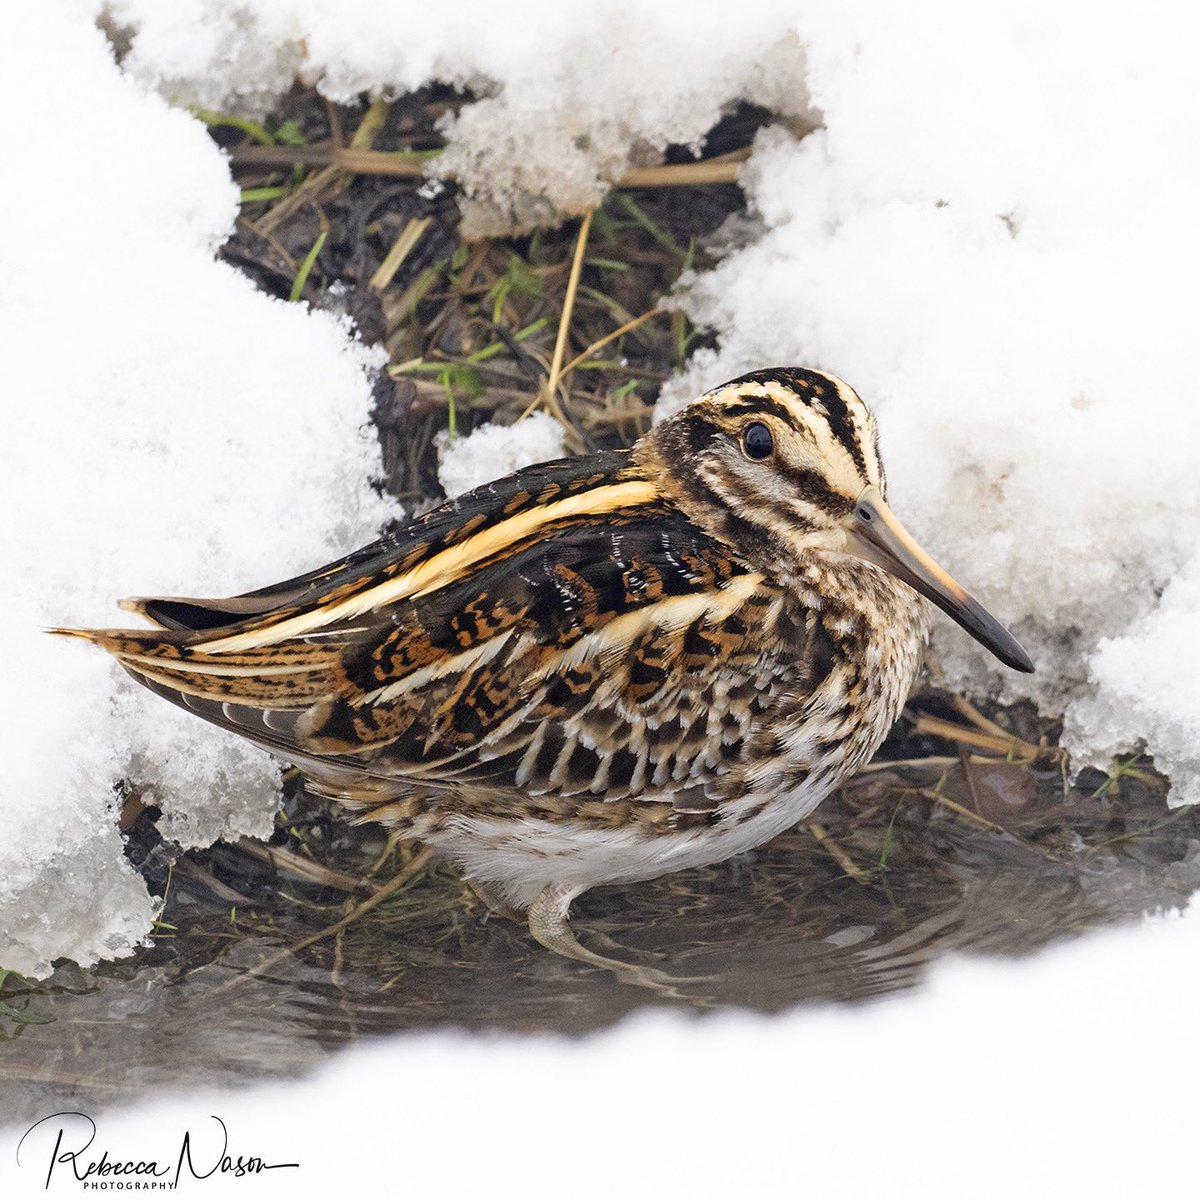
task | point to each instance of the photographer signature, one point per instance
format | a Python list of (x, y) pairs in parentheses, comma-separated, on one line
[(153, 1173)]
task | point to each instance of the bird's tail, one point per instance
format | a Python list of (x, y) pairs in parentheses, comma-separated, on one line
[(287, 674)]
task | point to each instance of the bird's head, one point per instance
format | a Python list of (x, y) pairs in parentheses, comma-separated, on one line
[(783, 464)]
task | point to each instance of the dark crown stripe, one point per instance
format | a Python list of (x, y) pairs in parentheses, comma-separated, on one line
[(808, 386), (843, 427), (796, 378)]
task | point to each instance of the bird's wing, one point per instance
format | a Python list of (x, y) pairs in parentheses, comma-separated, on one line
[(586, 643), (618, 661), (442, 528)]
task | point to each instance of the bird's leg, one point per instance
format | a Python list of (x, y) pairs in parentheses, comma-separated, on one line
[(549, 925), (497, 905)]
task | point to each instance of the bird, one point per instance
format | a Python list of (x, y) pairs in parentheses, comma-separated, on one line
[(596, 670)]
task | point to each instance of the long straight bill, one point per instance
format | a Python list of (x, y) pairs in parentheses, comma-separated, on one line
[(877, 536)]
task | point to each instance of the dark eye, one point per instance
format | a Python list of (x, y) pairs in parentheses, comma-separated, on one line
[(757, 440)]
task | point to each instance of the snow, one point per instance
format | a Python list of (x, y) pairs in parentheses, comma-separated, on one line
[(992, 238), (167, 429), (570, 95), (1055, 1076), (495, 450), (1150, 687)]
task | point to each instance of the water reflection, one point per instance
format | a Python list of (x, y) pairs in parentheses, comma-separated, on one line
[(896, 875)]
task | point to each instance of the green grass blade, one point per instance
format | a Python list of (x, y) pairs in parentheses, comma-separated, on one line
[(305, 267)]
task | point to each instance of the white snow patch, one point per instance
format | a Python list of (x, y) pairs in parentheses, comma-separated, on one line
[(167, 428), (492, 451), (1147, 688), (570, 95)]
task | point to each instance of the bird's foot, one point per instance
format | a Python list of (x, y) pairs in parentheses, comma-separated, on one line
[(549, 925)]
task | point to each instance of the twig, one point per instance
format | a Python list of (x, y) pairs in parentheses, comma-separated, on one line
[(302, 868), (839, 855), (403, 246), (961, 809), (414, 868), (409, 165), (1007, 745), (610, 337)]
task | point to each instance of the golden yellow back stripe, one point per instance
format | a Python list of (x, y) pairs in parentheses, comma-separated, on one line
[(446, 566)]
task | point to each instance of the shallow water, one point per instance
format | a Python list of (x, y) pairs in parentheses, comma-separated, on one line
[(786, 925)]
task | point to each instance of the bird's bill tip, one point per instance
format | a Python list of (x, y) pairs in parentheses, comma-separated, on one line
[(877, 536)]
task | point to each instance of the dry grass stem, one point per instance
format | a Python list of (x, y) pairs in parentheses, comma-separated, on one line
[(285, 257), (1009, 745), (314, 187), (187, 869), (403, 246), (714, 170), (415, 866), (354, 160), (393, 840), (325, 181), (302, 868), (474, 265), (839, 856), (608, 338), (961, 809), (967, 710), (549, 393), (893, 764)]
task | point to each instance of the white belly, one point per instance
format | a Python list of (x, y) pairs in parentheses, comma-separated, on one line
[(520, 861)]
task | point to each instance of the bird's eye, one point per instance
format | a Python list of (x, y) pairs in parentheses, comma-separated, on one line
[(757, 440)]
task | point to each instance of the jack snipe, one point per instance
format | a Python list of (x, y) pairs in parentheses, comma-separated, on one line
[(597, 670)]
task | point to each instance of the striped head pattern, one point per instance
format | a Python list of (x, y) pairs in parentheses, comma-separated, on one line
[(783, 464), (776, 460)]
